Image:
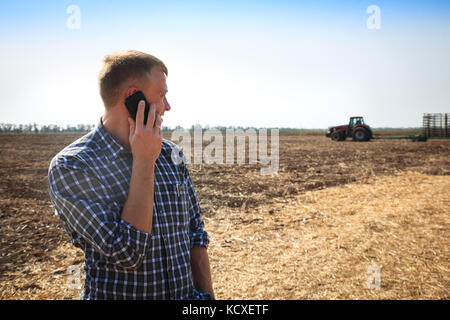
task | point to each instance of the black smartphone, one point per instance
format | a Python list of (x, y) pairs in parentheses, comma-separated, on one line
[(132, 103)]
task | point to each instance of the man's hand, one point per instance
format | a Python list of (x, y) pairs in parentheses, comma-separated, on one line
[(145, 140), (201, 271)]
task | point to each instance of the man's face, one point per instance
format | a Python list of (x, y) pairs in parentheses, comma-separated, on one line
[(155, 90)]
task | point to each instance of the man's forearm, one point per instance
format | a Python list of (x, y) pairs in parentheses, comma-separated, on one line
[(138, 209), (201, 270)]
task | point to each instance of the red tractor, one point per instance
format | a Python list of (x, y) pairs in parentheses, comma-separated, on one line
[(356, 129)]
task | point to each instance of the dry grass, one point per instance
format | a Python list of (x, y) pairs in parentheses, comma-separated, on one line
[(46, 279), (320, 245), (317, 245)]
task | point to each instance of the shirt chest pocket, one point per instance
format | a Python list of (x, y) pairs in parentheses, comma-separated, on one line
[(175, 204)]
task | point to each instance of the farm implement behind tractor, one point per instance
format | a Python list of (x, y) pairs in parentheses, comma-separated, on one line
[(412, 137), (360, 131)]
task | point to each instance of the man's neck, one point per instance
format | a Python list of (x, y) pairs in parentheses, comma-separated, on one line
[(117, 127)]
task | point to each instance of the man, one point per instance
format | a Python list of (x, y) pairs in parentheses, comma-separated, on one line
[(124, 202)]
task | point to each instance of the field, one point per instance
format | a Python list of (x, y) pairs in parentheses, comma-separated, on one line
[(336, 216)]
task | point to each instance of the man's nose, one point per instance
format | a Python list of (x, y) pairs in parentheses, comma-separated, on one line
[(166, 105)]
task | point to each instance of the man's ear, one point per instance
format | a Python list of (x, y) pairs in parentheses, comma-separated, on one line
[(130, 91)]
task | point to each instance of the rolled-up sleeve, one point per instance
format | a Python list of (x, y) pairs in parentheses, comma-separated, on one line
[(198, 236), (83, 205)]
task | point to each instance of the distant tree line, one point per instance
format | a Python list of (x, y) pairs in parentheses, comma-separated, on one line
[(51, 128), (80, 128), (225, 128), (48, 128)]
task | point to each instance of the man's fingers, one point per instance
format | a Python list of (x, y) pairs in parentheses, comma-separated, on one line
[(132, 125), (151, 116), (140, 116), (158, 123)]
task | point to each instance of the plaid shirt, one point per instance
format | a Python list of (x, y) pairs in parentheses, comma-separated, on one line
[(88, 185)]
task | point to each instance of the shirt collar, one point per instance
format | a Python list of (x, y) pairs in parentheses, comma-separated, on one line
[(107, 143)]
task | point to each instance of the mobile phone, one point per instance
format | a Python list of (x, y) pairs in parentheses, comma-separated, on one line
[(132, 103)]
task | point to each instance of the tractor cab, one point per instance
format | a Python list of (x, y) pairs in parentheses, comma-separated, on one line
[(356, 121)]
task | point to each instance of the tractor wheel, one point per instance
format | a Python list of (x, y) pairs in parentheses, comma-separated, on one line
[(336, 136), (370, 135), (360, 135)]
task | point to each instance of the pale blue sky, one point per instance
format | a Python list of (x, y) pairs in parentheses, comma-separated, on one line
[(305, 64)]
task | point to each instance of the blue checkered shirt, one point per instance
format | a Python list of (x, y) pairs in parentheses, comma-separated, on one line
[(88, 185)]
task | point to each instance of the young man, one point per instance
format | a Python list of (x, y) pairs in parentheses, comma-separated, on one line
[(124, 202)]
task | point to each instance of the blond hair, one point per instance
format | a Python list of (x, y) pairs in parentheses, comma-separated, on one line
[(122, 67)]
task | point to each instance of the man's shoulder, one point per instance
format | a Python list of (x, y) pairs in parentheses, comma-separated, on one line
[(168, 144), (77, 154), (173, 152), (167, 147)]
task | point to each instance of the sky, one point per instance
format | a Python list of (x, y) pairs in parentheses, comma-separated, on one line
[(302, 64)]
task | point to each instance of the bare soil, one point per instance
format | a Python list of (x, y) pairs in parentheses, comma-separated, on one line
[(35, 251)]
